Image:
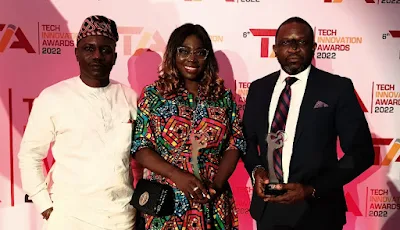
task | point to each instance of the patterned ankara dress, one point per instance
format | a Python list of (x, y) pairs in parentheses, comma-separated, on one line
[(164, 125)]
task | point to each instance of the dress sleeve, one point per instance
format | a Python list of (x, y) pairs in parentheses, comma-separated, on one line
[(235, 134), (143, 136)]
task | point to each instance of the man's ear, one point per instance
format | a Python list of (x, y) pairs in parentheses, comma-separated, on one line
[(76, 53), (115, 58), (314, 46)]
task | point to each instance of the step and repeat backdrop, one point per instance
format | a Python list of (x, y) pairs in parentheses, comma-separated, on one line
[(359, 39)]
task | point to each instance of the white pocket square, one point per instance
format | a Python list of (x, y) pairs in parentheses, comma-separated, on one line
[(320, 104)]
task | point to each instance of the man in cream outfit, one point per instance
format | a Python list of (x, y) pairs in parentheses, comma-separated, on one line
[(88, 121)]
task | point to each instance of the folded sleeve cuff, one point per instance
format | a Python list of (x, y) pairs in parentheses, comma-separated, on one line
[(42, 201)]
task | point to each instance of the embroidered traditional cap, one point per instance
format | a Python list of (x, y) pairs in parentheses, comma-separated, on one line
[(98, 25)]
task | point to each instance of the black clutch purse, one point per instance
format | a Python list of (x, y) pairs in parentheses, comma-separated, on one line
[(153, 198)]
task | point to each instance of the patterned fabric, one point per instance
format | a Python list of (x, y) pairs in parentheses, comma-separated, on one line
[(279, 124), (164, 125), (98, 25)]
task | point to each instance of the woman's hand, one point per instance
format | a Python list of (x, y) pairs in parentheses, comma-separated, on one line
[(216, 189), (192, 187)]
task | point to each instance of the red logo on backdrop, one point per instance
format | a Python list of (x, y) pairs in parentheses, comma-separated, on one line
[(390, 155), (395, 33), (339, 1), (362, 105), (383, 1), (265, 34), (21, 42), (152, 41)]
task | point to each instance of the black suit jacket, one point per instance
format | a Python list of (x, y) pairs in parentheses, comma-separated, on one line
[(314, 158)]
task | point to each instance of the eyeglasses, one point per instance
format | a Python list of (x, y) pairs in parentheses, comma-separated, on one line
[(199, 54)]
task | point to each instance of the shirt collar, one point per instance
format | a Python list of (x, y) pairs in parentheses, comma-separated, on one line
[(302, 76), (89, 89)]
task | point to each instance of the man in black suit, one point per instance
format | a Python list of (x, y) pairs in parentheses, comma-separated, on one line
[(292, 120)]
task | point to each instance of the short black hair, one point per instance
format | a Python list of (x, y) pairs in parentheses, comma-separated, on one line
[(296, 20)]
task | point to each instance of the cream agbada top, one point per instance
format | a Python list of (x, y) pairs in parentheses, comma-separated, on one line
[(90, 129)]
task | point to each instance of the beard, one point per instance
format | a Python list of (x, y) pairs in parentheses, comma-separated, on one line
[(293, 69)]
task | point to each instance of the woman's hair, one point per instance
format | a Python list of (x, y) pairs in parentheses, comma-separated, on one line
[(169, 82)]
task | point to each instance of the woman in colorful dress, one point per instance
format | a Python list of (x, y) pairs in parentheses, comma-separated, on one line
[(188, 135)]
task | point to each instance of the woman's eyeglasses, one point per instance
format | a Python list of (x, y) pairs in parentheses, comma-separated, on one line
[(199, 54)]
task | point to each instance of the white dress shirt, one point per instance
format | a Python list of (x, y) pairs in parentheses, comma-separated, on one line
[(297, 92), (90, 132)]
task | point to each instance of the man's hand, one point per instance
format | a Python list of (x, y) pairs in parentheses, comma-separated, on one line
[(295, 192), (260, 181), (217, 188), (46, 214)]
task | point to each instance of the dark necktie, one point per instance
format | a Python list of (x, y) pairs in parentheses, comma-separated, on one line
[(279, 123)]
